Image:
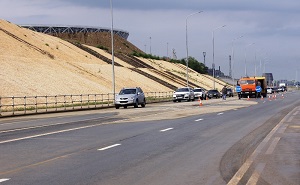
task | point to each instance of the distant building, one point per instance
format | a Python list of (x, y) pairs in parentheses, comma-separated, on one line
[(269, 78)]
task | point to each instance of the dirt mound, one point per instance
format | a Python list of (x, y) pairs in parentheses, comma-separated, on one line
[(33, 63), (101, 40)]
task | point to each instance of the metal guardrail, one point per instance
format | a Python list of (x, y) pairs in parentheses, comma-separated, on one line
[(22, 105)]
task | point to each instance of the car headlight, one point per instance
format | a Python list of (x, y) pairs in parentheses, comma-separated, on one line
[(131, 98)]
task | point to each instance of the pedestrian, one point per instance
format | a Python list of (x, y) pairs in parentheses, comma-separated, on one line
[(238, 89), (224, 92)]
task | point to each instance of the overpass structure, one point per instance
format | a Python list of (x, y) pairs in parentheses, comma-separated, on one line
[(56, 29)]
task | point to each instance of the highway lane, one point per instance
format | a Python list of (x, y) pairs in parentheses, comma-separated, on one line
[(199, 149)]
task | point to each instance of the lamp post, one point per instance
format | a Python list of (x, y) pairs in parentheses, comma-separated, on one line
[(246, 57), (112, 49), (150, 46), (232, 54), (204, 54), (187, 49), (213, 43)]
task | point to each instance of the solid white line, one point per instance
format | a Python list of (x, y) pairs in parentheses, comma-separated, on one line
[(220, 113), (108, 147), (41, 126), (3, 180), (50, 133), (166, 129), (199, 120)]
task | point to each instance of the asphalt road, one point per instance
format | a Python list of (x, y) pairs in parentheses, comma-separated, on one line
[(169, 144)]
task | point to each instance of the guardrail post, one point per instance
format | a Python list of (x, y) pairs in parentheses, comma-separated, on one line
[(24, 104), (88, 101), (81, 100), (36, 108), (0, 106), (95, 100), (13, 104), (55, 103), (65, 102), (46, 103), (72, 102)]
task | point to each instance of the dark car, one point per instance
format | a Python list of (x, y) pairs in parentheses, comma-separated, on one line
[(213, 94), (229, 92)]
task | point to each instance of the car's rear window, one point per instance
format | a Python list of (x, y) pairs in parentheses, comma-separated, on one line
[(197, 90), (128, 91), (182, 90)]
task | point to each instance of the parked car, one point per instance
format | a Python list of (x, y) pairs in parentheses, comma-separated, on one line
[(229, 92), (199, 93), (269, 90), (130, 96), (213, 94), (185, 93)]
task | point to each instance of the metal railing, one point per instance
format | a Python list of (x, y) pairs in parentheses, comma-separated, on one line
[(21, 105)]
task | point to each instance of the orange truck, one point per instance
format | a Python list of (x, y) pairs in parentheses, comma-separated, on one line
[(250, 86)]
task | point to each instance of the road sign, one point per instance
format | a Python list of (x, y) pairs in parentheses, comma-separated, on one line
[(258, 89)]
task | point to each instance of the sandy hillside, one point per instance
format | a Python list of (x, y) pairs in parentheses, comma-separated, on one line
[(33, 63)]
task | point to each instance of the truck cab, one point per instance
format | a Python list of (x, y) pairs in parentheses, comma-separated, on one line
[(249, 86)]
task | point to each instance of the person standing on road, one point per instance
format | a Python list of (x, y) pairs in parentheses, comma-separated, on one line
[(238, 89), (224, 92)]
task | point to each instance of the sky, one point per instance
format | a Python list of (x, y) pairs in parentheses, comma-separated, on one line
[(262, 36)]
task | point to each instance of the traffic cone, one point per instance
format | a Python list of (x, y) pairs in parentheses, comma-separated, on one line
[(269, 98), (200, 102), (282, 96), (262, 97), (248, 98)]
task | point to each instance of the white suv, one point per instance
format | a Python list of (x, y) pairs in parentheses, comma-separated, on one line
[(185, 93), (200, 93), (130, 96)]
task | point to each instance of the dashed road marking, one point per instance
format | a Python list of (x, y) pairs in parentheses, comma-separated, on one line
[(220, 113), (198, 119), (109, 147), (273, 145), (256, 174), (295, 113), (3, 180), (167, 129)]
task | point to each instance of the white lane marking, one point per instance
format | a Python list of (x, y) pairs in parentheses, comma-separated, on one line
[(255, 176), (295, 113), (50, 133), (273, 145), (108, 147), (199, 120), (3, 180), (41, 126), (166, 129), (220, 113)]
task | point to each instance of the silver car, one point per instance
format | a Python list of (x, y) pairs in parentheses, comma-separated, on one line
[(130, 96), (200, 93), (185, 93)]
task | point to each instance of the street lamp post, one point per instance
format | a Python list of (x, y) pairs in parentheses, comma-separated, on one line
[(112, 49), (232, 53), (246, 57), (187, 50), (213, 43), (150, 47), (204, 54)]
